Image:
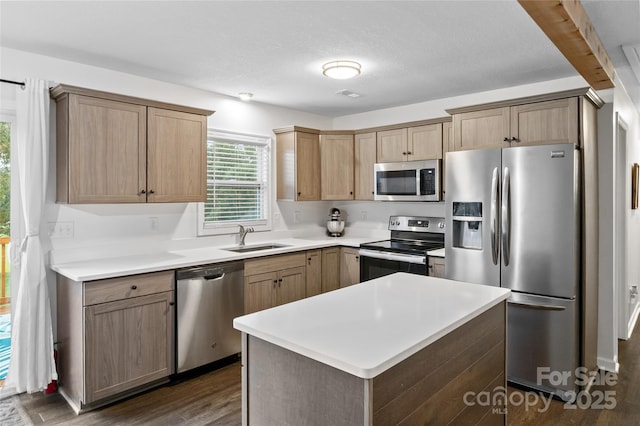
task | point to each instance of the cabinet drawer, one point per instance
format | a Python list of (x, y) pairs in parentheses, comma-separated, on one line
[(111, 289), (274, 263)]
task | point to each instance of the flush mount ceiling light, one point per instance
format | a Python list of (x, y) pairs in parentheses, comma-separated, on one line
[(245, 96), (341, 69)]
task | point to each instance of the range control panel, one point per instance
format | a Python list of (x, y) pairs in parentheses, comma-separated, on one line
[(416, 224)]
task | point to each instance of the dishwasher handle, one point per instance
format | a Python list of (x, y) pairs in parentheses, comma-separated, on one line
[(209, 273), (216, 276)]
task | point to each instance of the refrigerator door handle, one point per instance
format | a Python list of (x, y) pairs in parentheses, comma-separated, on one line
[(495, 238), (505, 215), (538, 306)]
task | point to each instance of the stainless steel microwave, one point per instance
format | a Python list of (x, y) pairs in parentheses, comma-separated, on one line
[(407, 181)]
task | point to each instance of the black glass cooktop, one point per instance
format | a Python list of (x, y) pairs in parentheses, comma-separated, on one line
[(404, 246)]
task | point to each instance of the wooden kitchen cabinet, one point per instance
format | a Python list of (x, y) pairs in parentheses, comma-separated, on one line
[(424, 142), (364, 160), (118, 149), (436, 267), (410, 144), (349, 266), (176, 156), (115, 337), (274, 280), (330, 269), (391, 146), (528, 122), (336, 166), (447, 146), (314, 273), (298, 164)]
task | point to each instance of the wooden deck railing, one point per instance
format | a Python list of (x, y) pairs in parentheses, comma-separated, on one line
[(4, 241)]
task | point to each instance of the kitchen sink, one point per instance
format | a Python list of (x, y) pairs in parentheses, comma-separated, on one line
[(256, 248)]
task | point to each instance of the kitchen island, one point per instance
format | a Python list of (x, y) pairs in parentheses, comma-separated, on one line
[(402, 348)]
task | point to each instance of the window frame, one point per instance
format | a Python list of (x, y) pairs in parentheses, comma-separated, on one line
[(231, 227)]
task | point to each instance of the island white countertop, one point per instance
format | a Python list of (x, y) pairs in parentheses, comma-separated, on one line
[(117, 266), (367, 328)]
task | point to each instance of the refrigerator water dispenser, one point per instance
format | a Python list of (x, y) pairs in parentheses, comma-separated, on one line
[(467, 225)]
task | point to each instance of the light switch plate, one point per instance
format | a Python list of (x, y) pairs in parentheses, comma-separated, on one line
[(61, 229)]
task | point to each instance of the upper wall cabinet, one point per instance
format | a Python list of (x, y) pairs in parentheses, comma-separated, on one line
[(364, 160), (298, 164), (543, 119), (336, 166), (410, 144), (118, 149)]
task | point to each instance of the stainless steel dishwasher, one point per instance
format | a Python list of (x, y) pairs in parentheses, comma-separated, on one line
[(208, 298)]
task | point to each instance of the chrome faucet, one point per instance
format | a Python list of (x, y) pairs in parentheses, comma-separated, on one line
[(243, 233)]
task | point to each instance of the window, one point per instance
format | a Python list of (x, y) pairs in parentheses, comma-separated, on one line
[(238, 167)]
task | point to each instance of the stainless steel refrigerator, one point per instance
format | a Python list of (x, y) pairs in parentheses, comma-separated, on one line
[(513, 220)]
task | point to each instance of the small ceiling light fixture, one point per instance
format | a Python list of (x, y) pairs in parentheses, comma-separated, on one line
[(341, 69), (245, 96)]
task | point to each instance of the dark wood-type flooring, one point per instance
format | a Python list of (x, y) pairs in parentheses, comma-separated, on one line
[(214, 398)]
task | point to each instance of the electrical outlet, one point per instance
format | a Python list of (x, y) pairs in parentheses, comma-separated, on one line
[(296, 217), (61, 229), (153, 224)]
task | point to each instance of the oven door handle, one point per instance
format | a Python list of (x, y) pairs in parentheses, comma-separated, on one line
[(407, 258)]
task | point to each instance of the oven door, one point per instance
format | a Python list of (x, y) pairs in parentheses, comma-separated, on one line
[(374, 264)]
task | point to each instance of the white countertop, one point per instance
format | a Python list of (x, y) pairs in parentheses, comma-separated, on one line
[(436, 253), (367, 328), (110, 267)]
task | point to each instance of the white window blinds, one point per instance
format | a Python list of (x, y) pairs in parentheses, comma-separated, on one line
[(238, 167)]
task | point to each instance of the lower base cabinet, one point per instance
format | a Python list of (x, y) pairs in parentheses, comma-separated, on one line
[(349, 266), (436, 267), (115, 337), (330, 269), (274, 280)]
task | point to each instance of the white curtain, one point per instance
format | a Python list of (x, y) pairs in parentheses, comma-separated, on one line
[(32, 365)]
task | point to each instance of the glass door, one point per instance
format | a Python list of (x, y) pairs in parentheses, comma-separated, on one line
[(5, 240)]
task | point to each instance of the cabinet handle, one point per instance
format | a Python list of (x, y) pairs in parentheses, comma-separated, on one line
[(172, 303), (514, 139), (404, 153), (143, 192), (409, 153), (506, 139), (151, 191), (357, 258), (350, 192), (299, 193), (134, 287), (309, 261)]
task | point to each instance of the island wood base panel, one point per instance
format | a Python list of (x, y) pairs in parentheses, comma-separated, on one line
[(283, 387)]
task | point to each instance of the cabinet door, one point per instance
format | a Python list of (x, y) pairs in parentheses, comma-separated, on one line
[(349, 267), (425, 142), (314, 273), (336, 167), (551, 122), (128, 343), (291, 285), (330, 269), (258, 291), (365, 158), (107, 151), (307, 167), (481, 129), (447, 145), (392, 146), (436, 267), (177, 157)]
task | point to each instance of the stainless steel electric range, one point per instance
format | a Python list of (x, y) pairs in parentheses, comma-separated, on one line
[(411, 238)]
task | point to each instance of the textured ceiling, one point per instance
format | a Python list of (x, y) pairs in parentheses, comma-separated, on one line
[(410, 51)]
